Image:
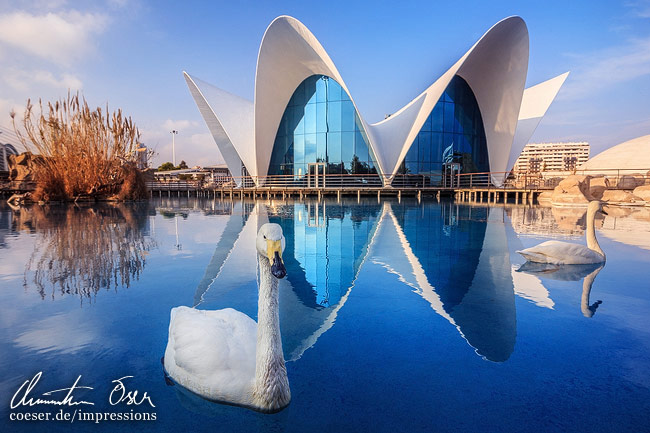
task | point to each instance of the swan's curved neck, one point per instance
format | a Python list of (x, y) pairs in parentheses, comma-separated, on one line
[(271, 387), (592, 242)]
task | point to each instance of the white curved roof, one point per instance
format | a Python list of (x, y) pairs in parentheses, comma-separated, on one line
[(633, 155), (495, 68)]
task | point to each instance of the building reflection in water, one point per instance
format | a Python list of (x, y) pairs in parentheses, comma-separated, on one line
[(326, 245), (457, 259), (80, 250)]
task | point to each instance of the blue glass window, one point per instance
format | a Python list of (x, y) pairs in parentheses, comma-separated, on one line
[(320, 124), (453, 132)]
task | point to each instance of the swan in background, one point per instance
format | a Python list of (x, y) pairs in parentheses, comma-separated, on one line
[(224, 355), (587, 273), (566, 253)]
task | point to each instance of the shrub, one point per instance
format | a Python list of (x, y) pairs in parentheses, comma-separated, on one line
[(85, 152)]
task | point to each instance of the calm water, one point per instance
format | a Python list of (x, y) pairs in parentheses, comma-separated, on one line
[(394, 316)]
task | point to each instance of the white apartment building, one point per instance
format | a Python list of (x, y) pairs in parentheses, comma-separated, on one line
[(552, 157)]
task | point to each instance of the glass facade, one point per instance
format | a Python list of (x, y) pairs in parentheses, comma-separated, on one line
[(321, 125), (453, 133), (325, 246)]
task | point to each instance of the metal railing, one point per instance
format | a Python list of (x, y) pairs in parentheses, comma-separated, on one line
[(614, 179)]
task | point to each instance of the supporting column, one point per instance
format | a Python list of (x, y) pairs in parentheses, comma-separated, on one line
[(338, 195), (358, 196), (480, 197), (378, 196), (438, 196), (505, 197), (419, 195)]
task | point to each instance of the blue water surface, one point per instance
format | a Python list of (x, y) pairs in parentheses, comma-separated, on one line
[(395, 316)]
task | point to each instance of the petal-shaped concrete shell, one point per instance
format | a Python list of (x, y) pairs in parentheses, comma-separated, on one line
[(534, 105), (495, 68), (289, 54), (230, 121)]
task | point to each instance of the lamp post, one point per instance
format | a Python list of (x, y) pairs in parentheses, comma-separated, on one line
[(173, 133)]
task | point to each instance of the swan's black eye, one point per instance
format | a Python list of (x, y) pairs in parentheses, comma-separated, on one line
[(264, 236)]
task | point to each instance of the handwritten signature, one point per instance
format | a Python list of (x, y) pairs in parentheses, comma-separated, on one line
[(118, 395), (131, 397)]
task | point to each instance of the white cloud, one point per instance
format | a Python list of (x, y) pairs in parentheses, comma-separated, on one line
[(58, 37), (25, 80), (605, 68), (179, 125), (63, 333), (640, 8)]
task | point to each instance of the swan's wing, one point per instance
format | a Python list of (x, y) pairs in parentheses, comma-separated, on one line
[(212, 352), (558, 252)]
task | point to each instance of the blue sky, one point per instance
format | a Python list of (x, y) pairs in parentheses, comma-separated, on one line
[(131, 54)]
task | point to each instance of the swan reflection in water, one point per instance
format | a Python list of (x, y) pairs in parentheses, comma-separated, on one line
[(80, 250), (587, 273)]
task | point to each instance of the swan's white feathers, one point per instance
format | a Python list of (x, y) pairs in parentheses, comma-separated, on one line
[(217, 355), (561, 253), (212, 350)]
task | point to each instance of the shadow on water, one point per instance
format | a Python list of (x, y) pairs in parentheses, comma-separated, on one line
[(80, 250)]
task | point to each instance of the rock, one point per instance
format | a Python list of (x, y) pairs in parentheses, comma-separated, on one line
[(572, 191), (21, 167), (618, 211), (630, 181), (642, 192), (22, 173), (23, 158), (621, 197), (597, 186), (597, 191), (599, 181), (545, 197)]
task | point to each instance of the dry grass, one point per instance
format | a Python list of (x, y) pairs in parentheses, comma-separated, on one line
[(86, 153)]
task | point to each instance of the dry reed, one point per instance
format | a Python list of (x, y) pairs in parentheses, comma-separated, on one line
[(82, 250), (86, 153)]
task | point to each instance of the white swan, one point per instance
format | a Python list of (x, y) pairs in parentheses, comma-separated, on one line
[(565, 253), (224, 355)]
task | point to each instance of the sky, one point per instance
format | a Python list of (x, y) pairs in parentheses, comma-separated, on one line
[(130, 54)]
